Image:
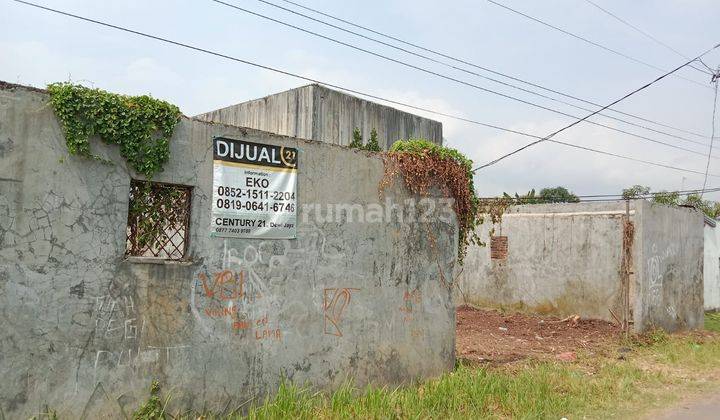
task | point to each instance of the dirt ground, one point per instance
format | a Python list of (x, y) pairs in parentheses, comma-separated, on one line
[(488, 336)]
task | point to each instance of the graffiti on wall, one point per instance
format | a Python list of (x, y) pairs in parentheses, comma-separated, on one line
[(335, 301), (249, 297), (134, 358), (411, 299), (227, 297), (657, 268), (239, 297), (118, 329), (117, 318)]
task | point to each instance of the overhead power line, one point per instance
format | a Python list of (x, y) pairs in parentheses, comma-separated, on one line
[(715, 74), (644, 33), (463, 82), (487, 69), (452, 66), (588, 41), (645, 86), (349, 90)]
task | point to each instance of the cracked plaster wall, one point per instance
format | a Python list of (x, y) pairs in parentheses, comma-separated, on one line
[(85, 331)]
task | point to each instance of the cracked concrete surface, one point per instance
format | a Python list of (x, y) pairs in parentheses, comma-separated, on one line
[(85, 331)]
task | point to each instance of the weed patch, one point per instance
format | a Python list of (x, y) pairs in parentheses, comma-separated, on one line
[(712, 321)]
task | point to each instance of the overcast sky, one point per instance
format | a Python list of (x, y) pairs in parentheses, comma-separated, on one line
[(37, 48)]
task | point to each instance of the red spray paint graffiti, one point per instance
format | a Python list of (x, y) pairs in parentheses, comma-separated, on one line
[(335, 300), (229, 285)]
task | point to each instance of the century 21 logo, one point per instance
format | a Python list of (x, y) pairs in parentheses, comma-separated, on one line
[(288, 157)]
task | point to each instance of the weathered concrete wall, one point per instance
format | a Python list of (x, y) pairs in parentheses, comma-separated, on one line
[(85, 330), (318, 113), (711, 267), (669, 267), (288, 113), (566, 259), (562, 259)]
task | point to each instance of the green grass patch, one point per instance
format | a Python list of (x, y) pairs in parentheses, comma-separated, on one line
[(693, 353), (712, 321), (536, 390), (651, 371), (596, 387)]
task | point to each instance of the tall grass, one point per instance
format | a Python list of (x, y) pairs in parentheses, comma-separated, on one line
[(650, 374), (652, 370), (538, 390)]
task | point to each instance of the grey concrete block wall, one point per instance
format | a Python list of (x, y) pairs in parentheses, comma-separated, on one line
[(85, 330), (565, 259), (318, 113), (669, 268), (562, 259)]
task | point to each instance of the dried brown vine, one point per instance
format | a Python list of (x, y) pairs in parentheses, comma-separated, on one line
[(424, 166)]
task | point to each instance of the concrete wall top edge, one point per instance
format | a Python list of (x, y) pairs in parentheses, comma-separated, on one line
[(602, 206), (339, 92), (571, 207), (205, 115), (274, 136), (10, 87)]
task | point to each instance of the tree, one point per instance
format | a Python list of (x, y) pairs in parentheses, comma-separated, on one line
[(710, 208), (636, 191), (557, 195), (372, 144), (529, 198), (546, 195), (668, 198), (672, 198), (357, 141)]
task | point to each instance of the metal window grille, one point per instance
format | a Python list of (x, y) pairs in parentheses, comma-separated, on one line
[(158, 220)]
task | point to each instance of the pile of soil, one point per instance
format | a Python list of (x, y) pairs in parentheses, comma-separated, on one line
[(493, 337)]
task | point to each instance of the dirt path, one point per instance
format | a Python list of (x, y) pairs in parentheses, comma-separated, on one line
[(701, 408), (492, 337)]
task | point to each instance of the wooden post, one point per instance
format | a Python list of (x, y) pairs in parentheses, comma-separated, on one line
[(626, 264)]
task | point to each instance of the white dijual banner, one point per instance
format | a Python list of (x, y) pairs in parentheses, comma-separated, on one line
[(254, 190)]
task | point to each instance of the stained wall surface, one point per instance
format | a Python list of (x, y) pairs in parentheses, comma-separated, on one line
[(318, 113), (562, 259), (565, 259), (85, 329), (669, 268), (711, 268)]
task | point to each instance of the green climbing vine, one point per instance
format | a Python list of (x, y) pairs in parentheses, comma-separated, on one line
[(140, 125)]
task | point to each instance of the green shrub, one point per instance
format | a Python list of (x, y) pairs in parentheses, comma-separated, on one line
[(357, 141), (372, 144)]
